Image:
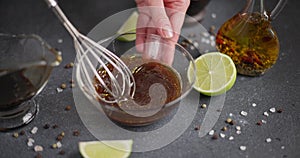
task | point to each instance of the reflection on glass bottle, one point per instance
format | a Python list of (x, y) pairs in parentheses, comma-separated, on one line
[(249, 39)]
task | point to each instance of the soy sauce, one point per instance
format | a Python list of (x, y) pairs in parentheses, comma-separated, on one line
[(146, 75), (20, 85), (15, 88)]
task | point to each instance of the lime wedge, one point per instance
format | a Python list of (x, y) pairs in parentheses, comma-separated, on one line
[(106, 149), (215, 73), (128, 27)]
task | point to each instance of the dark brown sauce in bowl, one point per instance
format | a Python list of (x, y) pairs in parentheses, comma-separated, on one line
[(145, 75)]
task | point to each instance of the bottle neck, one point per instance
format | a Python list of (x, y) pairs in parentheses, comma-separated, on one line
[(256, 6)]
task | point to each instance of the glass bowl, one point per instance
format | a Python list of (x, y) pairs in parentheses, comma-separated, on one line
[(154, 52)]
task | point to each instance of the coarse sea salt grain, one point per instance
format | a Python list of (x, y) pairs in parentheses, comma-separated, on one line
[(213, 15), (211, 132), (243, 148), (264, 121), (238, 128), (238, 132), (60, 40), (27, 117), (244, 113), (59, 145), (196, 44), (38, 148), (268, 140), (212, 43), (254, 104), (266, 113), (59, 90), (34, 130), (231, 138), (222, 135), (30, 142), (272, 110), (205, 34)]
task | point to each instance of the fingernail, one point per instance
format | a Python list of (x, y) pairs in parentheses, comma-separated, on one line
[(168, 33)]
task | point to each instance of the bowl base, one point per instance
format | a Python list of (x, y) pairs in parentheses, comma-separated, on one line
[(18, 118)]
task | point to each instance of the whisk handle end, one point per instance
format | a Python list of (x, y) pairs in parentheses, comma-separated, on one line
[(51, 3)]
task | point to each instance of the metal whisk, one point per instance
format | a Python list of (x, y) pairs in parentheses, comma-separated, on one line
[(90, 56)]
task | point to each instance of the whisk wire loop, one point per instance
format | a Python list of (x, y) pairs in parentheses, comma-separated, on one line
[(92, 56)]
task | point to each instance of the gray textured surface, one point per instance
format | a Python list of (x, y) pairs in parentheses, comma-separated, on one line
[(279, 87)]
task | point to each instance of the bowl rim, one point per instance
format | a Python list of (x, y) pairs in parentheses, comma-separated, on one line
[(46, 47), (189, 57)]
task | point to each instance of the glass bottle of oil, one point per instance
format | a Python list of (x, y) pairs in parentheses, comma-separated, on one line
[(249, 39)]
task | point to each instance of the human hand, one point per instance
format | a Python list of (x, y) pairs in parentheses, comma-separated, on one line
[(161, 17)]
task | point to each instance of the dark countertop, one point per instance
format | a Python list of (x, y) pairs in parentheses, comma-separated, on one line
[(279, 87)]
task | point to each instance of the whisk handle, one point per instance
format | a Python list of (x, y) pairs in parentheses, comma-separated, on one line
[(62, 17), (51, 3)]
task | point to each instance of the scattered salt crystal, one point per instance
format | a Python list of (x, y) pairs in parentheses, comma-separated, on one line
[(213, 43), (238, 128), (272, 110), (268, 140), (254, 104), (266, 113), (59, 90), (231, 138), (243, 148), (59, 145), (222, 135), (264, 121), (60, 40), (38, 148), (205, 34), (282, 147), (230, 114), (192, 47), (34, 130), (211, 132), (238, 132), (196, 44), (27, 117), (213, 15), (244, 113), (16, 135), (30, 142)]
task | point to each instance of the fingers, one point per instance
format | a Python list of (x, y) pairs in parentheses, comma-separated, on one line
[(162, 17), (161, 21), (176, 18), (141, 31), (155, 9)]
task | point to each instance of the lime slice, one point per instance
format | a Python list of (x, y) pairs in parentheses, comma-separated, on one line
[(128, 27), (215, 73), (106, 149)]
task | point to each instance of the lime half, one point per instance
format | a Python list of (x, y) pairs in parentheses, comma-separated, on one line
[(215, 73), (106, 149), (128, 27)]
